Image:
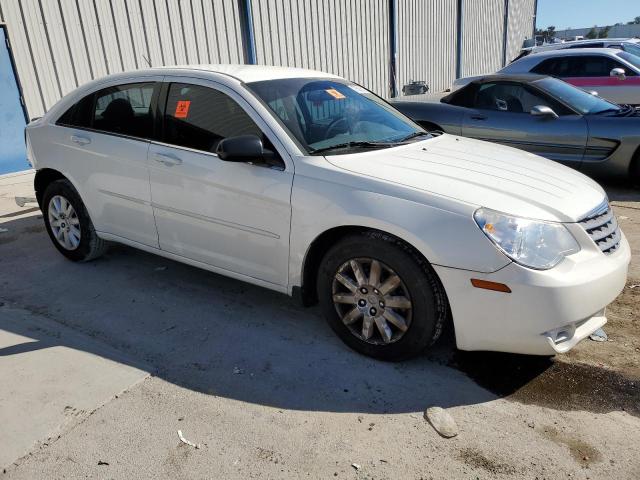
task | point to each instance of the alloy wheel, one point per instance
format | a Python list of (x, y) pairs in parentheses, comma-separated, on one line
[(64, 222), (372, 301)]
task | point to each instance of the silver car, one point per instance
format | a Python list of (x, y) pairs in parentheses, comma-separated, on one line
[(542, 115)]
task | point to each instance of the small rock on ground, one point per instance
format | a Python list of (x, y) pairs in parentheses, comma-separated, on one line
[(599, 336), (441, 421)]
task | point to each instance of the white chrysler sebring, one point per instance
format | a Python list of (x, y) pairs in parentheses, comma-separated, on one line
[(308, 184)]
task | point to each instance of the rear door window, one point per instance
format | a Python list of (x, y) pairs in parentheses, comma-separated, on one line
[(554, 67), (125, 110)]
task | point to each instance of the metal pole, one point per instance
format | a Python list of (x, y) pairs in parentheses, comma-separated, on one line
[(505, 39), (393, 47), (246, 26), (459, 13)]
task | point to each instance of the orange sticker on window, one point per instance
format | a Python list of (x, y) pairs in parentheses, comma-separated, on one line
[(335, 93), (182, 109)]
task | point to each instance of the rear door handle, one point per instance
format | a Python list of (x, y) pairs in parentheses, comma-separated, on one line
[(80, 140), (478, 117), (167, 159)]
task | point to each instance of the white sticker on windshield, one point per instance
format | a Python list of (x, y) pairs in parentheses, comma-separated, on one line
[(358, 89)]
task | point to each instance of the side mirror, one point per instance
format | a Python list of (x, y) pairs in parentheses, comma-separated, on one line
[(543, 111), (243, 148), (618, 73)]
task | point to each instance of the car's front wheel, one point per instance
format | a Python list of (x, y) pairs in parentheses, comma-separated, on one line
[(381, 297), (68, 223)]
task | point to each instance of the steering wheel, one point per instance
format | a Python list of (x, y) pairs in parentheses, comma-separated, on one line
[(334, 126)]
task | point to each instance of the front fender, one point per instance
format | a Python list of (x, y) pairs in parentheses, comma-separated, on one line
[(443, 237)]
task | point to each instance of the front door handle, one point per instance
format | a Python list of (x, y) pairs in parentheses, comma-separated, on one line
[(167, 159), (478, 117), (80, 140)]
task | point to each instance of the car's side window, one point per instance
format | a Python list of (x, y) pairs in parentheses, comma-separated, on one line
[(503, 97), (592, 66), (547, 67), (125, 110), (199, 117), (513, 98), (464, 97), (628, 72)]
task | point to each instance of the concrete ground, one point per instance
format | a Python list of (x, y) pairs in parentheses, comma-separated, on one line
[(102, 363)]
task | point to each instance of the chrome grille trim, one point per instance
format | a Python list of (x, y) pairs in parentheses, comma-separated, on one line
[(605, 230), (602, 227), (595, 222)]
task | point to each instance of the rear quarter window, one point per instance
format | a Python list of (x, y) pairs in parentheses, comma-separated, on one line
[(79, 114)]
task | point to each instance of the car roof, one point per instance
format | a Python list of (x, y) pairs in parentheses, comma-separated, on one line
[(250, 73), (573, 43), (574, 51), (516, 77)]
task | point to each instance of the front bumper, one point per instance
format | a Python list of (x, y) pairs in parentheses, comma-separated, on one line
[(547, 312)]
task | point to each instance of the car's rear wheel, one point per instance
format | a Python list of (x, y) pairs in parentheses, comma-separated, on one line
[(68, 223), (380, 297), (634, 170)]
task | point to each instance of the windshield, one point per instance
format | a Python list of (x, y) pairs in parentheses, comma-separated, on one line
[(579, 100), (328, 114), (631, 56)]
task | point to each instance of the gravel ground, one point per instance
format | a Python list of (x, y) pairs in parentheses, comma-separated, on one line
[(269, 392)]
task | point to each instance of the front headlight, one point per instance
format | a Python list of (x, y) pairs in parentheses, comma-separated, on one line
[(532, 243)]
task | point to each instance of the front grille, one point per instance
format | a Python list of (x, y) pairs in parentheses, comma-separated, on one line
[(602, 227)]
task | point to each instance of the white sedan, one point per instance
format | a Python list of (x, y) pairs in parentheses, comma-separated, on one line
[(308, 184)]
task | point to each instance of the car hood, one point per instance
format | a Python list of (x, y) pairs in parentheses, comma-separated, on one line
[(482, 174)]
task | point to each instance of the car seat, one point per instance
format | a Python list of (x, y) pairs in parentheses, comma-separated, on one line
[(118, 116)]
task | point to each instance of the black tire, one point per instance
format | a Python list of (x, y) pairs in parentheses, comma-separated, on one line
[(90, 246), (634, 170), (429, 302)]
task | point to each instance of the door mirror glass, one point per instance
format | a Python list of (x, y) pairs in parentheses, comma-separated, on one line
[(618, 73), (243, 148), (543, 111)]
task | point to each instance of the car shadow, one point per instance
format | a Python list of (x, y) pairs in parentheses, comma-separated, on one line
[(223, 337)]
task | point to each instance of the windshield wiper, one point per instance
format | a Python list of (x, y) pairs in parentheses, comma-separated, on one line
[(413, 135), (353, 144)]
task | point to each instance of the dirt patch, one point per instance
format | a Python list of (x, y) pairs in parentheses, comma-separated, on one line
[(268, 455), (552, 383), (583, 453), (176, 460), (476, 459)]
